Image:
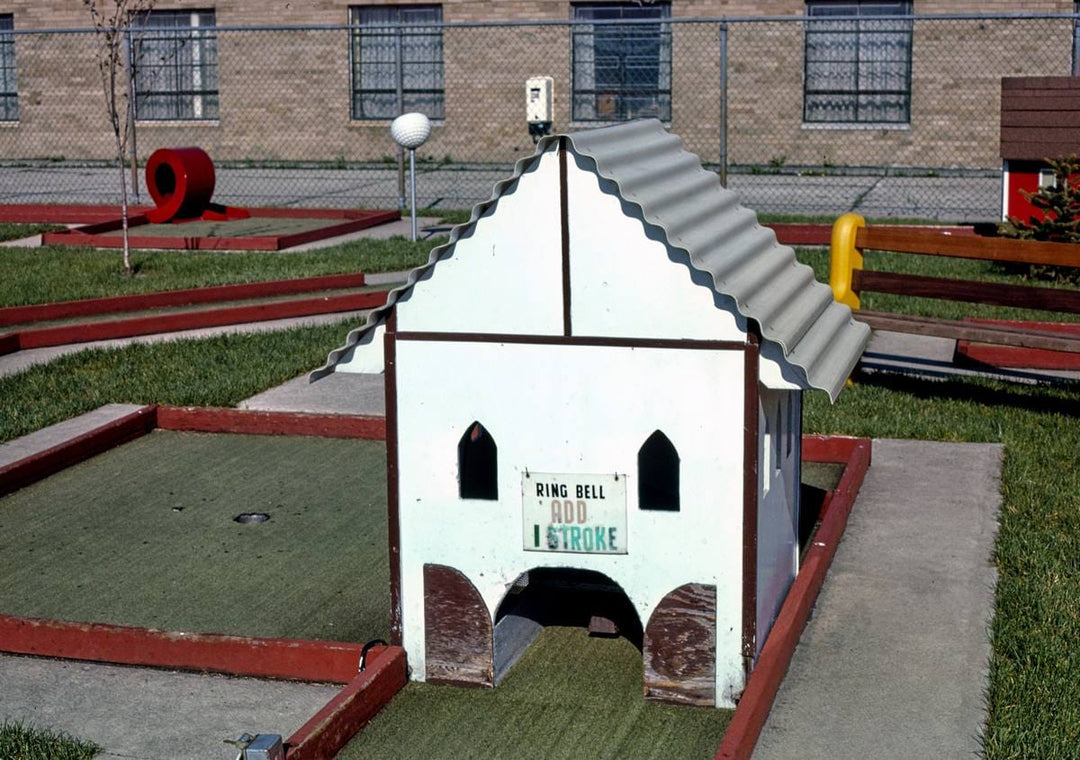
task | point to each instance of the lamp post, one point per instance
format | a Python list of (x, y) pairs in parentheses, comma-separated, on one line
[(410, 131)]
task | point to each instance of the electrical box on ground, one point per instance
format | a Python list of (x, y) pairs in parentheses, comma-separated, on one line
[(538, 105)]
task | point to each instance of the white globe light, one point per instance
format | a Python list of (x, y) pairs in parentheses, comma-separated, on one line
[(410, 130)]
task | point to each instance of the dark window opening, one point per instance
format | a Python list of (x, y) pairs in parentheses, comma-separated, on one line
[(858, 62), (658, 474), (176, 66), (396, 60), (9, 91), (621, 70), (478, 464)]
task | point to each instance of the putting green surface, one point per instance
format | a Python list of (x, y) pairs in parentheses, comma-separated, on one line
[(253, 226), (823, 475), (144, 535), (570, 696)]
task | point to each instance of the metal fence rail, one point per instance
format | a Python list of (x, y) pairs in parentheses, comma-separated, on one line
[(892, 116)]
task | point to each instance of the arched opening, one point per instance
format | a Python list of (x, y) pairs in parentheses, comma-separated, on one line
[(560, 596), (478, 464), (658, 474)]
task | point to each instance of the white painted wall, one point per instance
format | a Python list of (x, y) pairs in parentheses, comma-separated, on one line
[(779, 451), (573, 409), (506, 277), (625, 284)]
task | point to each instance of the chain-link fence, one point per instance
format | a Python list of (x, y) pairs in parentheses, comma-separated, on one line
[(891, 116)]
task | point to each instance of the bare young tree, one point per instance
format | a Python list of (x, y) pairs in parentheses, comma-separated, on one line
[(112, 20)]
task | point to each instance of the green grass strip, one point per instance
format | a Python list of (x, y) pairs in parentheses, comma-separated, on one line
[(20, 741), (58, 273), (570, 696), (218, 371), (13, 231)]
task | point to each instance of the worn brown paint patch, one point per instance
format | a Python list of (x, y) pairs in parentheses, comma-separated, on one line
[(457, 630), (680, 647)]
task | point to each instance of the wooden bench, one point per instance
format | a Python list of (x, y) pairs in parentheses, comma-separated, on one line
[(851, 238)]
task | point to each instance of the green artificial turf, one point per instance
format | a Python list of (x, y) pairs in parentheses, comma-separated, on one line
[(144, 535), (12, 231), (570, 696), (218, 371), (19, 741), (823, 475), (60, 273)]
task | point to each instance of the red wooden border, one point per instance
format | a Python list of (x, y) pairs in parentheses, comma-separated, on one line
[(74, 450), (12, 315), (189, 320), (745, 727), (297, 659), (1017, 357), (349, 222), (334, 725), (255, 422)]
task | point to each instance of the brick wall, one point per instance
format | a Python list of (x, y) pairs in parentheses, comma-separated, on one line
[(285, 95)]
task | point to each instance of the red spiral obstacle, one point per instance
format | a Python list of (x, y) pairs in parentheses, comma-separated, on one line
[(181, 182)]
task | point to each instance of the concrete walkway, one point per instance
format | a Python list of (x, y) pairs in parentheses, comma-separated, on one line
[(893, 663), (152, 714)]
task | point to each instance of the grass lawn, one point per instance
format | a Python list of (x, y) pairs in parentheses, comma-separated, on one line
[(12, 231), (19, 741), (217, 371), (59, 273)]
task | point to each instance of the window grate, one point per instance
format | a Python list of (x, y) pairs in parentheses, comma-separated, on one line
[(858, 68), (390, 46), (9, 88), (176, 66), (621, 71)]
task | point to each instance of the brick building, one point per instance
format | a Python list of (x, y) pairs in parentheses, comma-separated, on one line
[(818, 91)]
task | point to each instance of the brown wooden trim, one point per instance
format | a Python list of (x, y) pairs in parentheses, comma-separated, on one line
[(1029, 358), (329, 661), (351, 709), (191, 320), (258, 422), (997, 294), (12, 315), (458, 633), (745, 727), (1036, 119), (679, 647), (1043, 82), (576, 340), (945, 328), (750, 493), (80, 448), (392, 480), (931, 243), (564, 221)]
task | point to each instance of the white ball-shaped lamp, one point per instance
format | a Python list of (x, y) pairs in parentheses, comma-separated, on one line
[(410, 130)]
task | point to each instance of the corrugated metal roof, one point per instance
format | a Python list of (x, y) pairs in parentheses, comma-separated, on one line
[(675, 194)]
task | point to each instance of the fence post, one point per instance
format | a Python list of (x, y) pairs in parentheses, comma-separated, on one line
[(723, 126), (400, 111), (129, 52)]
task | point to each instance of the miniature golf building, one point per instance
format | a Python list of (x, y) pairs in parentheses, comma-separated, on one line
[(1040, 120), (593, 416)]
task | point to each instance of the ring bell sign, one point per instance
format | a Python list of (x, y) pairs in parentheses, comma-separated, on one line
[(580, 514)]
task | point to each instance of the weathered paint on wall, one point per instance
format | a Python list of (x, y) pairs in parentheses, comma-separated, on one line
[(570, 409)]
